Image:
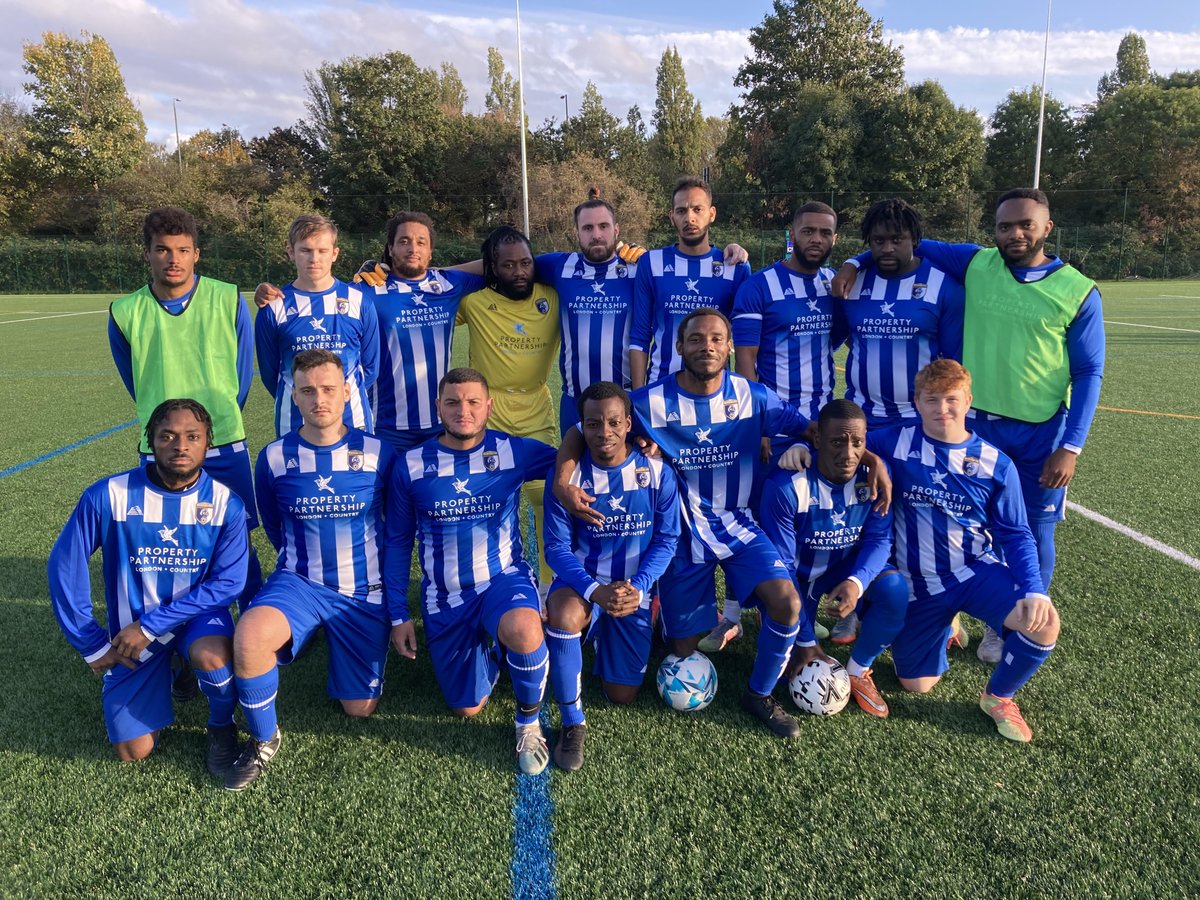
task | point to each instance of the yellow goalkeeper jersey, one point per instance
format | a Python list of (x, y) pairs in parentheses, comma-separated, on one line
[(514, 343)]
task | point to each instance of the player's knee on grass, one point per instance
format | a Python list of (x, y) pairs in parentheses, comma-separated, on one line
[(779, 600), (469, 712), (567, 611), (137, 748), (520, 630), (920, 685), (359, 709), (620, 694), (210, 652), (261, 631)]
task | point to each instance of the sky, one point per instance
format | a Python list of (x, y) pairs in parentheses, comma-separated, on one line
[(241, 63)]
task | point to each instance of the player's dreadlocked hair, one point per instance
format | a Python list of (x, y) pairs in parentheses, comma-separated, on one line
[(893, 216), (167, 407), (403, 218), (594, 201), (490, 250)]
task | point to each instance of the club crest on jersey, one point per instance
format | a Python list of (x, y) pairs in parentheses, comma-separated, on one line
[(825, 283), (622, 271), (731, 409), (491, 460), (970, 465), (434, 287), (862, 492), (543, 306), (718, 269), (343, 307), (355, 460), (642, 475), (918, 291), (204, 513)]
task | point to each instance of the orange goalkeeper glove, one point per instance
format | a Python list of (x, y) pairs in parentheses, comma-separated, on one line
[(629, 251), (373, 273)]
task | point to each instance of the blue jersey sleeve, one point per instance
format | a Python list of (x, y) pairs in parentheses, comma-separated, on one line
[(401, 530), (368, 352), (641, 328), (558, 533), (874, 547), (748, 306), (266, 348), (741, 274), (538, 459), (264, 494), (70, 583), (1010, 528), (661, 551), (466, 282), (1085, 355), (777, 515), (547, 266), (122, 353), (245, 351), (952, 259), (781, 418), (951, 305)]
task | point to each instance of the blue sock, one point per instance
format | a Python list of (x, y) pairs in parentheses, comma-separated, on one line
[(1043, 536), (882, 617), (566, 673), (774, 647), (1019, 659), (529, 672), (257, 697), (217, 685)]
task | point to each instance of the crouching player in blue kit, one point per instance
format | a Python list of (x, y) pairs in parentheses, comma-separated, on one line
[(321, 498), (175, 556), (822, 521), (459, 494), (605, 572), (956, 494)]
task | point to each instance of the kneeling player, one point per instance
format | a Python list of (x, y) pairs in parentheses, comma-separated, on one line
[(175, 556), (956, 493), (605, 571), (459, 493), (822, 521), (321, 496)]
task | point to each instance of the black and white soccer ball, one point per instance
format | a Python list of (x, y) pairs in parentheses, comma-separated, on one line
[(821, 688)]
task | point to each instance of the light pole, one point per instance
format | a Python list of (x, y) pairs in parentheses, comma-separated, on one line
[(1037, 162), (178, 147), (228, 141), (521, 123), (566, 109)]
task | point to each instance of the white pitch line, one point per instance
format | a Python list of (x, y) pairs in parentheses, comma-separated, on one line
[(90, 312), (1164, 549), (1159, 327)]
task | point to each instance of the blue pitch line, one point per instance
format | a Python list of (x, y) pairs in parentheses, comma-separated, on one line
[(20, 467), (533, 844)]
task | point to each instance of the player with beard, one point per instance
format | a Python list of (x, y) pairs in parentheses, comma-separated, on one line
[(514, 336), (1036, 390)]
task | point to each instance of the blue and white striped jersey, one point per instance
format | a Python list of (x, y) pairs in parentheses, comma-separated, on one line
[(168, 557), (894, 327), (323, 509), (713, 444), (670, 285), (789, 317), (341, 320), (640, 502), (462, 506), (816, 525), (416, 329), (951, 501), (594, 308)]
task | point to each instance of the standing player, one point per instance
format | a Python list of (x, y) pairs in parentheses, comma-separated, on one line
[(956, 497), (317, 312), (514, 337), (673, 281), (606, 571), (459, 495), (175, 554), (321, 494), (1038, 388), (822, 522)]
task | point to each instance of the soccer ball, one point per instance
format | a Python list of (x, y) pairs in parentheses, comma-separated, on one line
[(822, 687), (687, 684)]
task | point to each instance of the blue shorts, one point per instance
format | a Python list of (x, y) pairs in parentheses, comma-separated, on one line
[(403, 441), (138, 701), (463, 641), (621, 643), (810, 597), (919, 650), (230, 465), (688, 590), (568, 413), (357, 632), (1028, 445)]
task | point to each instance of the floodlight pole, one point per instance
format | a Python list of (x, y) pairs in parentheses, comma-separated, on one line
[(1037, 160), (521, 123), (178, 147)]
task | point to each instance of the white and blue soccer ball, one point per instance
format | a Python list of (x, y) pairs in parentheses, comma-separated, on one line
[(687, 683), (821, 688)]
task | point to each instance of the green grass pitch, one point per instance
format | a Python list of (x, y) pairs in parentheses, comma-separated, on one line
[(414, 803)]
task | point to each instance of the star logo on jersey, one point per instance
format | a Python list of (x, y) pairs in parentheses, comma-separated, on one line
[(598, 287), (731, 409), (642, 476), (318, 324), (324, 485), (460, 486), (702, 436), (839, 519), (355, 460), (292, 463), (343, 307), (519, 328), (491, 460), (204, 513), (939, 478), (718, 269), (693, 284), (918, 291), (672, 416), (813, 306), (885, 309), (970, 465), (543, 306), (167, 535), (133, 511), (614, 503)]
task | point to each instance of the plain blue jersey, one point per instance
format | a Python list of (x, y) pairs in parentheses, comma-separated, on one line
[(594, 307), (640, 502), (168, 558), (342, 320), (951, 502), (789, 317), (462, 507), (670, 285), (416, 330), (713, 443), (323, 508)]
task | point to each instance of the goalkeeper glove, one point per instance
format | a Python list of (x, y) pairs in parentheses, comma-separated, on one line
[(629, 251), (373, 273)]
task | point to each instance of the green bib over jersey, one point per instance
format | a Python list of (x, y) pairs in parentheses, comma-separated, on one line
[(193, 354), (1014, 337)]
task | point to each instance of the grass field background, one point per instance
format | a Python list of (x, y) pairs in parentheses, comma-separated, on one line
[(413, 802)]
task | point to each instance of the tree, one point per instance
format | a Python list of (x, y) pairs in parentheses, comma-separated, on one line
[(1133, 67), (502, 101), (555, 188), (286, 155), (453, 97), (1012, 142), (678, 121), (14, 160), (593, 130), (84, 129)]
